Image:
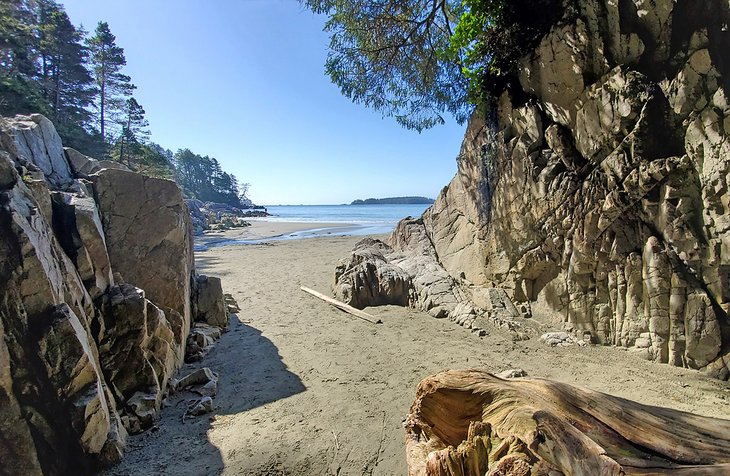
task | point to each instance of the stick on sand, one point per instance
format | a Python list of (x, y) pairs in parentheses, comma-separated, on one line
[(343, 307)]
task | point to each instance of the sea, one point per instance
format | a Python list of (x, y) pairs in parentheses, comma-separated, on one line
[(359, 219), (342, 220)]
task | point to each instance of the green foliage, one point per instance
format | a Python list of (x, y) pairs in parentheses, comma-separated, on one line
[(394, 201), (203, 178), (66, 83), (491, 37), (390, 55), (416, 60), (47, 67), (107, 60), (43, 70), (134, 132)]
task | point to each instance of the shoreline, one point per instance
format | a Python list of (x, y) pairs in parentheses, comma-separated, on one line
[(262, 230)]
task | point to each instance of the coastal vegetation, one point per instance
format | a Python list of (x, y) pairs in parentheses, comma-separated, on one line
[(394, 201), (418, 60), (76, 79)]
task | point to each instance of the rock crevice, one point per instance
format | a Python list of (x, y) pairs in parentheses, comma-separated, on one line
[(600, 205), (96, 279)]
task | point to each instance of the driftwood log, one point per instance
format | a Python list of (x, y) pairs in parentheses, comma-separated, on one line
[(469, 422), (342, 306)]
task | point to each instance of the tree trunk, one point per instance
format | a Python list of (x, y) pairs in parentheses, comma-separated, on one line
[(469, 422), (102, 100)]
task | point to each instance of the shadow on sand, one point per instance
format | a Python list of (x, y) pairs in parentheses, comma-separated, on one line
[(251, 373)]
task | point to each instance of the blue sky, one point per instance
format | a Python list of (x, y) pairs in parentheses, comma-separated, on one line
[(243, 81)]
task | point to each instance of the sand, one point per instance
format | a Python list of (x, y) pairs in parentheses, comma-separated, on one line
[(307, 389)]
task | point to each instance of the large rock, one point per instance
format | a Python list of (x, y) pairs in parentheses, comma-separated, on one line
[(208, 301), (599, 206), (149, 240), (138, 353), (86, 358), (50, 364), (34, 140)]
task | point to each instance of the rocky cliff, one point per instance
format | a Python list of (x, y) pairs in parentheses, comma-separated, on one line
[(97, 286), (594, 195)]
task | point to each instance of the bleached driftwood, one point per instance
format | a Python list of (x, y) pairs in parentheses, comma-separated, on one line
[(469, 422), (343, 307)]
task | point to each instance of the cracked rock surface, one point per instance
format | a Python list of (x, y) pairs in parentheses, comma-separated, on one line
[(96, 279), (595, 196)]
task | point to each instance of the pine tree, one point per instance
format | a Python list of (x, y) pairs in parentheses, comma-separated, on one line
[(65, 80), (114, 87), (19, 93), (134, 131)]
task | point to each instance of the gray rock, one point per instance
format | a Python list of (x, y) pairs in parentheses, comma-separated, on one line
[(200, 407), (35, 140), (209, 304), (149, 240)]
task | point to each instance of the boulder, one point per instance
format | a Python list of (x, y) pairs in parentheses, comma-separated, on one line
[(137, 351), (86, 358), (208, 302), (50, 362), (200, 407), (34, 140), (149, 239)]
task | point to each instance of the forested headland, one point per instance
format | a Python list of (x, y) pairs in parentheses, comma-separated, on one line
[(76, 79), (394, 201)]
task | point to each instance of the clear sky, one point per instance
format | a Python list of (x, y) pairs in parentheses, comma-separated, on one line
[(243, 81)]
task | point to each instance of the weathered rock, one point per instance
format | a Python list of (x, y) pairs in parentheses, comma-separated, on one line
[(469, 422), (84, 357), (367, 279), (34, 140), (200, 407), (68, 419), (81, 165), (203, 382), (208, 302), (600, 205), (138, 353), (149, 240)]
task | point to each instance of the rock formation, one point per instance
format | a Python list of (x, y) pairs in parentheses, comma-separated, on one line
[(595, 191), (96, 279), (469, 423)]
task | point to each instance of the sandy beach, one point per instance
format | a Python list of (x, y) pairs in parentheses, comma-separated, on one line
[(307, 389)]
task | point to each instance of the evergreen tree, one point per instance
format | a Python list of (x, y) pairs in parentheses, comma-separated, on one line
[(134, 131), (66, 83), (114, 87), (19, 93), (202, 177)]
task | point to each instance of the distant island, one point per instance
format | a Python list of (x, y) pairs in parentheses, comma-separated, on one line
[(394, 201)]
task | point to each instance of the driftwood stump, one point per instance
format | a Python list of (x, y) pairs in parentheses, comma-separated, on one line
[(469, 422)]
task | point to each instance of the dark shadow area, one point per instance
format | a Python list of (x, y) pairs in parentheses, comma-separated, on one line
[(202, 262), (250, 374)]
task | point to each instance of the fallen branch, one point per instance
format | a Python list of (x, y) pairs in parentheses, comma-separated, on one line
[(343, 307)]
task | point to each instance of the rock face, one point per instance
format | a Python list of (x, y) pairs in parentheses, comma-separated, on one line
[(157, 258), (471, 423), (85, 357), (595, 193)]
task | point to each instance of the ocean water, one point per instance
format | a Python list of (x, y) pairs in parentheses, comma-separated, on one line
[(383, 216), (352, 220)]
